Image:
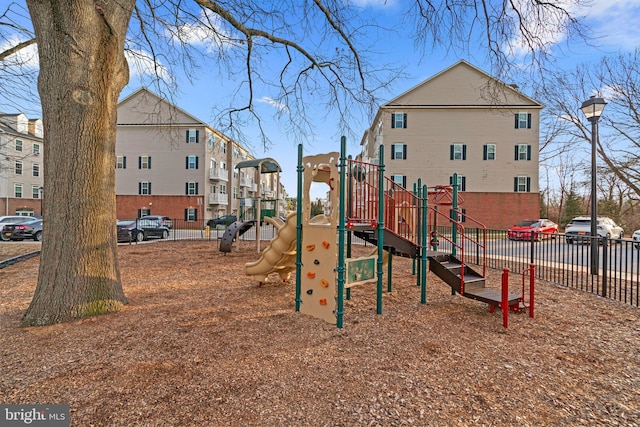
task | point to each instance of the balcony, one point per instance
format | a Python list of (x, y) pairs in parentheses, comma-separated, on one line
[(268, 194), (246, 202), (246, 182), (218, 174), (218, 199)]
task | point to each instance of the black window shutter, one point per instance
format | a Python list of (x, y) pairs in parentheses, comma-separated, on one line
[(186, 214), (464, 183), (515, 184), (404, 152), (451, 152), (464, 152), (529, 121), (517, 120), (149, 188), (484, 152), (139, 162), (451, 180), (196, 188), (404, 120), (528, 152), (149, 162), (124, 162), (404, 182), (528, 184), (187, 139), (393, 151), (393, 120), (516, 155), (139, 188), (186, 163), (139, 213), (197, 135), (196, 162), (186, 188), (195, 214)]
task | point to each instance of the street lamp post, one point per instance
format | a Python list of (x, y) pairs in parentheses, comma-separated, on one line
[(40, 195), (592, 109)]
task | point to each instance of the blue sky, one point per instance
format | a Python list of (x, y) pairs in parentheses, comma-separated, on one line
[(613, 24)]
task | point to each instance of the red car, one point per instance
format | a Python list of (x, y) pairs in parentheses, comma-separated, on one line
[(538, 228)]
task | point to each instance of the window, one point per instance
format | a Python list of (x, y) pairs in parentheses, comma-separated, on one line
[(398, 120), (143, 211), (192, 162), (211, 140), (523, 121), (236, 153), (489, 152), (523, 152), (18, 145), (36, 149), (462, 182), (121, 162), (223, 146), (17, 191), (191, 188), (18, 167), (223, 166), (191, 214), (144, 162), (223, 189), (35, 191), (399, 151), (400, 180), (193, 136), (458, 152), (522, 184), (144, 188), (235, 192), (461, 214), (35, 169)]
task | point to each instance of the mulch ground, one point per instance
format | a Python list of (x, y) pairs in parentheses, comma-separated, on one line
[(199, 344)]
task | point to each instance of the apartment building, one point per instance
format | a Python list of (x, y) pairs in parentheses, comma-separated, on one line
[(21, 165), (170, 163), (464, 121)]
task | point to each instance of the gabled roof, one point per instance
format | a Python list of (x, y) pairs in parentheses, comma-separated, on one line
[(144, 91), (508, 90)]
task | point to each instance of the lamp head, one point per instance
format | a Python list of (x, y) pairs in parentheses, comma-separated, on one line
[(593, 107)]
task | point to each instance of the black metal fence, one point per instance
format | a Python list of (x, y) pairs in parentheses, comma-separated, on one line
[(616, 276), (617, 264)]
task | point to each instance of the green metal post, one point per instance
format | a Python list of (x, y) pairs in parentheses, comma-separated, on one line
[(423, 246), (340, 269), (349, 213), (389, 268), (380, 228), (300, 170), (420, 196)]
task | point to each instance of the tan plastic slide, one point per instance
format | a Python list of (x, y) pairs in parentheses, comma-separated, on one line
[(279, 257)]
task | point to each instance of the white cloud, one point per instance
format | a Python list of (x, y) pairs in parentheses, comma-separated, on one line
[(141, 63), (270, 101), (208, 32), (26, 57)]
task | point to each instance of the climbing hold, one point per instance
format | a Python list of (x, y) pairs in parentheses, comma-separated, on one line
[(316, 262), (323, 301), (311, 247), (311, 275), (325, 244), (324, 283), (310, 291)]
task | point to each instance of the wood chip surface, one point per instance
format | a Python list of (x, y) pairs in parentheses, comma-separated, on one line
[(200, 344)]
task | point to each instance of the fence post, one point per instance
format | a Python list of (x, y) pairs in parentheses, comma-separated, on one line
[(605, 265), (505, 297), (533, 247)]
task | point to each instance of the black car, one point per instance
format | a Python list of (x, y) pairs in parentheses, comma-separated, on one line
[(164, 220), (140, 229), (25, 230), (223, 220)]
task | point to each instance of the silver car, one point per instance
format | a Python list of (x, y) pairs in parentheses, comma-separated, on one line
[(579, 229)]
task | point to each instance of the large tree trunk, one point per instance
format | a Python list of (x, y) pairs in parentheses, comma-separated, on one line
[(82, 72)]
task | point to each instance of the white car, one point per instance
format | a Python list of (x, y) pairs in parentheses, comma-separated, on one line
[(579, 229), (636, 239)]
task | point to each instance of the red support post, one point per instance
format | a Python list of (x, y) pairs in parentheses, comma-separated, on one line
[(505, 297)]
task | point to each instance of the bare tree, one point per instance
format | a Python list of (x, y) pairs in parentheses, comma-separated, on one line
[(81, 46)]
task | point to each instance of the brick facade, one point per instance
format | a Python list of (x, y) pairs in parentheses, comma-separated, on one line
[(500, 211), (127, 207)]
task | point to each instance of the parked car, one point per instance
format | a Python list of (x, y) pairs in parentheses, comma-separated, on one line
[(538, 228), (140, 229), (225, 220), (579, 229), (25, 230), (636, 239), (12, 219), (164, 220)]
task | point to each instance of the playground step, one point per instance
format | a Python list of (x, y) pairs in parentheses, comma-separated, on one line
[(491, 296)]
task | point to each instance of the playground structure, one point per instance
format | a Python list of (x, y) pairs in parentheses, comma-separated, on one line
[(364, 203)]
